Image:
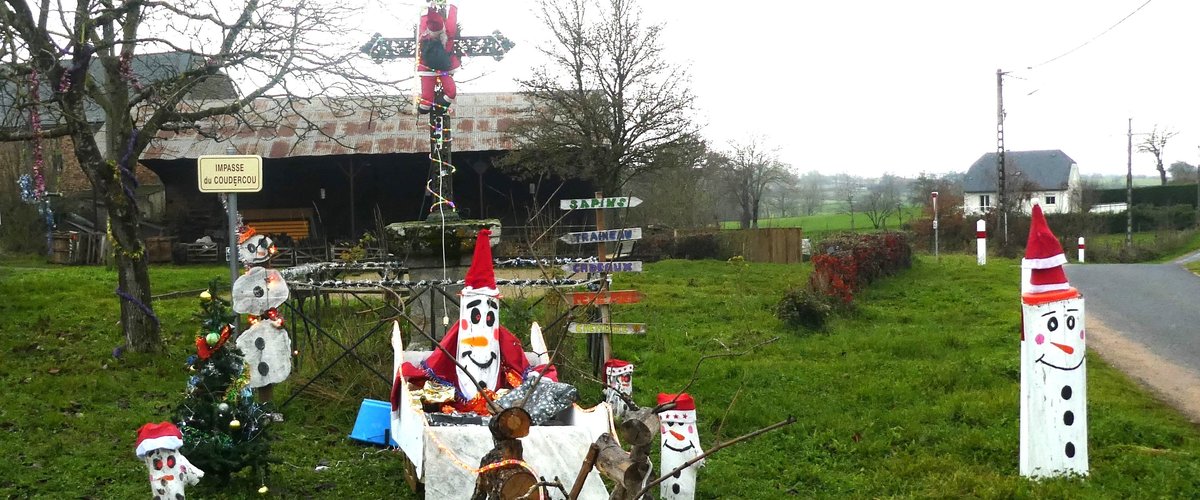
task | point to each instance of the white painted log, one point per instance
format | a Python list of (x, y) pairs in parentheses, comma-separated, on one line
[(1053, 423), (981, 242)]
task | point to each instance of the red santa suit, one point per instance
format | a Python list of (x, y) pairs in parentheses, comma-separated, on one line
[(488, 351), (436, 58)]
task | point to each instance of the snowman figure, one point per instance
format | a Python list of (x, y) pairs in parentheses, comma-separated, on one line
[(618, 378), (1053, 424), (158, 445), (266, 347), (680, 443), (255, 249)]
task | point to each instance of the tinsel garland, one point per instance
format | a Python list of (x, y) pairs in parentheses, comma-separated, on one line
[(395, 283), (39, 179), (435, 155)]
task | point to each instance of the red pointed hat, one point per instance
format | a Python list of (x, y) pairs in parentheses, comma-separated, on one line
[(1044, 257), (163, 435), (481, 278), (683, 402), (618, 367)]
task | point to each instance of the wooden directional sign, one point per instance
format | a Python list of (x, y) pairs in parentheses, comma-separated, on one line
[(630, 266), (605, 298), (602, 236), (617, 328), (596, 203), (496, 45)]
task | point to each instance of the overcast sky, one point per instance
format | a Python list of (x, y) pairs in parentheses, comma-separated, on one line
[(875, 86)]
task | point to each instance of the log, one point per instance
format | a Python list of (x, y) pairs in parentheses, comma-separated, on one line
[(507, 482), (625, 469)]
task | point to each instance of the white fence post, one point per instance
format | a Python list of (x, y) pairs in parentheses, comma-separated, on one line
[(981, 242), (1081, 248)]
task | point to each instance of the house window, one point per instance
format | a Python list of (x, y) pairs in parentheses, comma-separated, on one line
[(1050, 200), (985, 201)]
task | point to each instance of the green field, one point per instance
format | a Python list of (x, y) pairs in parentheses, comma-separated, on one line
[(913, 394), (830, 222)]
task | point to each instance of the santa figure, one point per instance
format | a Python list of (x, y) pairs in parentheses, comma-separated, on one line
[(618, 378), (1053, 367), (436, 57), (680, 443), (158, 445), (486, 350)]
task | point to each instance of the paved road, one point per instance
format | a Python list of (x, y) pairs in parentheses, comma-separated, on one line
[(1157, 305)]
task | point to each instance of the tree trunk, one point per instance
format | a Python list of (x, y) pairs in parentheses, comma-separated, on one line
[(138, 322), (1162, 173), (754, 214)]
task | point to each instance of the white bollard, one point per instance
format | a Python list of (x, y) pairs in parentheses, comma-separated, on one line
[(981, 242), (1081, 248)]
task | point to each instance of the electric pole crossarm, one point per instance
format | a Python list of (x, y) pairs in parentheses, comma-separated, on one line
[(494, 45)]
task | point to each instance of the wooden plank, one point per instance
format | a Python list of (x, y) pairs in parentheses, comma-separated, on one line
[(629, 234), (629, 266), (605, 298), (614, 328), (598, 203)]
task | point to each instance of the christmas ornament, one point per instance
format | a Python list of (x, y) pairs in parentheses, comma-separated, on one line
[(212, 338), (1053, 424), (205, 296), (264, 490), (680, 443), (223, 407), (235, 424), (158, 446)]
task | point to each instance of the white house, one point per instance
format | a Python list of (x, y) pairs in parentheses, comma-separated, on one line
[(1049, 176)]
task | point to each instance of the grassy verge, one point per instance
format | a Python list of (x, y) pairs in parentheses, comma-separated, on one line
[(1150, 246), (915, 394), (830, 222)]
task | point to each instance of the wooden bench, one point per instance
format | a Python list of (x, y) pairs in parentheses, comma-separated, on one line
[(297, 229)]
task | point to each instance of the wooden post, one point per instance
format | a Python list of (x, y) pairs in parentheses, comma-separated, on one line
[(605, 350)]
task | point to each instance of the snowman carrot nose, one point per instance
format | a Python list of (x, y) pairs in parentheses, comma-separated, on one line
[(676, 435), (476, 341), (1065, 348)]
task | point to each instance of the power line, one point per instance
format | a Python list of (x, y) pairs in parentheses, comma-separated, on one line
[(1084, 44)]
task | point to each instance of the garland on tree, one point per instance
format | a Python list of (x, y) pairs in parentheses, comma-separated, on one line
[(224, 428)]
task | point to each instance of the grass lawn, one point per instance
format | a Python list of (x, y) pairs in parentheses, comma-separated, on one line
[(915, 394), (829, 222)]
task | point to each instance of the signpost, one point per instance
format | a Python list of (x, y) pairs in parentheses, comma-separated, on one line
[(605, 298), (633, 266), (617, 328), (230, 174), (603, 236), (595, 203)]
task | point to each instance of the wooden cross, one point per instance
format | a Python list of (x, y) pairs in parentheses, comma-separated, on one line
[(439, 183)]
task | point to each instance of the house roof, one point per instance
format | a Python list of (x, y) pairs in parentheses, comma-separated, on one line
[(147, 68), (1048, 170), (381, 125)]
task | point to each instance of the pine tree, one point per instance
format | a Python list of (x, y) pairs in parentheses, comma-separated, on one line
[(224, 428)]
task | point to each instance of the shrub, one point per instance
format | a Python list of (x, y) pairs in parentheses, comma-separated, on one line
[(845, 263), (803, 308)]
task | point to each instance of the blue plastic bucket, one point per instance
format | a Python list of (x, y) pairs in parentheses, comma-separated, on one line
[(374, 423)]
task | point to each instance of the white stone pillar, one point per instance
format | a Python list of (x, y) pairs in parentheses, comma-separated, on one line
[(981, 242), (1081, 248)]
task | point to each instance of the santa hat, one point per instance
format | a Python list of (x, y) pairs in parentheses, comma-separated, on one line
[(617, 367), (684, 411), (434, 21), (1044, 257), (481, 278), (163, 435)]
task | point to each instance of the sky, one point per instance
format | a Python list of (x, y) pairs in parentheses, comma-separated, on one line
[(883, 86)]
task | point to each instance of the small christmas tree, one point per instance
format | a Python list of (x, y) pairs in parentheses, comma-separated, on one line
[(224, 428)]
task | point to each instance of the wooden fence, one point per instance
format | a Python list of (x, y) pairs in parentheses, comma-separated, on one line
[(777, 245)]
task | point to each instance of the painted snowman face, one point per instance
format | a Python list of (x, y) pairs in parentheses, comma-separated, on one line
[(679, 436), (256, 249), (478, 342), (169, 473), (621, 378), (1056, 332)]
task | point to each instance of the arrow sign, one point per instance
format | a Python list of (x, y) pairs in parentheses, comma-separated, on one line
[(632, 266), (605, 298), (596, 203), (617, 328), (602, 236)]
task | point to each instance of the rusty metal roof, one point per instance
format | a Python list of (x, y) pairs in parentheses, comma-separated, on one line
[(276, 128)]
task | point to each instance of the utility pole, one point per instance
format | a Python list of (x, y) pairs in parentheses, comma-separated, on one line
[(1129, 187), (1001, 203)]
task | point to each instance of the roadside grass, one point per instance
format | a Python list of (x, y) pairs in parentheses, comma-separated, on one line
[(824, 223), (912, 394), (1154, 246)]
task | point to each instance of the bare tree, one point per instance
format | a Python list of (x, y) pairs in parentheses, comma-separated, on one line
[(751, 167), (784, 194), (1154, 144), (811, 189), (70, 65), (846, 188), (608, 102), (882, 201)]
